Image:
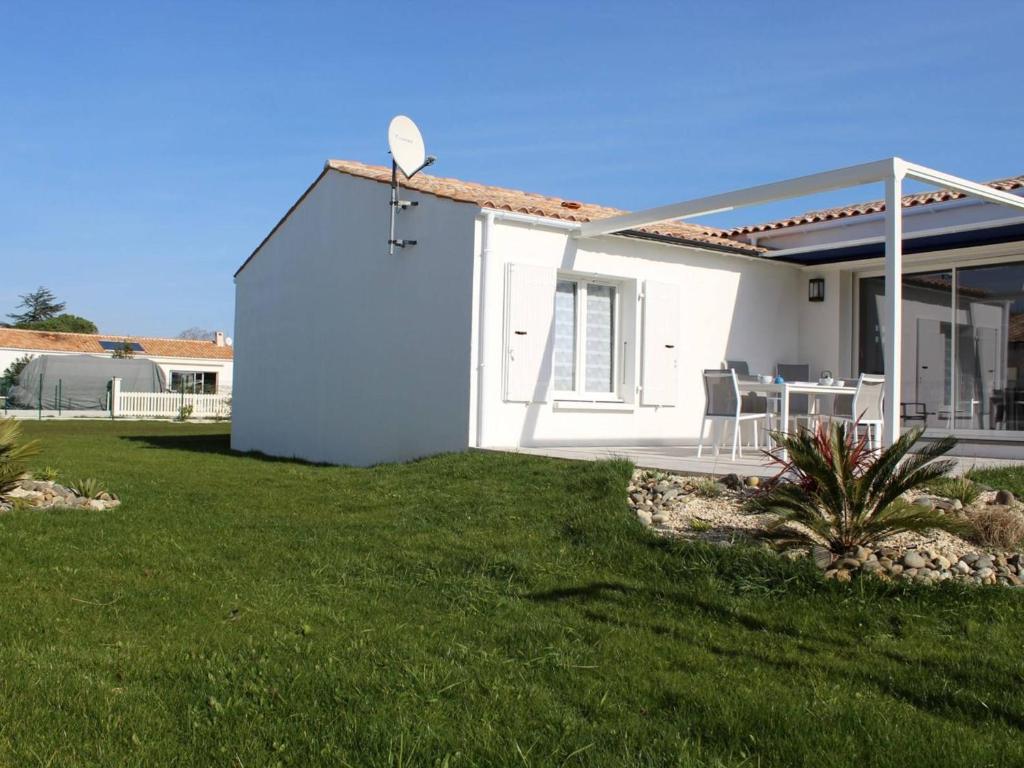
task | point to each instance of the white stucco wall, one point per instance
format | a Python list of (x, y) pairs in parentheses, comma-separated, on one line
[(731, 308), (223, 368), (345, 354)]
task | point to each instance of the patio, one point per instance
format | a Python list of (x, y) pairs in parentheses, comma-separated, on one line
[(683, 459)]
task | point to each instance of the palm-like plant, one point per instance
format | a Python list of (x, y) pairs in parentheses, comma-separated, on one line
[(13, 454), (835, 490)]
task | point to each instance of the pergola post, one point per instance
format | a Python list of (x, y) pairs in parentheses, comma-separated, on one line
[(892, 325)]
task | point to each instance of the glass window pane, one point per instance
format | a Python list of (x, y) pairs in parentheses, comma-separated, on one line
[(600, 338), (990, 347), (565, 336), (927, 374)]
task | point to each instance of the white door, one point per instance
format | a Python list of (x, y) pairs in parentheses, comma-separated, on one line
[(660, 349)]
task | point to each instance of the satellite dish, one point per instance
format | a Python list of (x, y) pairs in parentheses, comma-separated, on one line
[(406, 144)]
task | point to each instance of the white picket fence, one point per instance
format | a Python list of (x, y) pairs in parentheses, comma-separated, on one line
[(168, 404)]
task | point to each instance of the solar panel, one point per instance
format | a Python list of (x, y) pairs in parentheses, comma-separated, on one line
[(113, 346)]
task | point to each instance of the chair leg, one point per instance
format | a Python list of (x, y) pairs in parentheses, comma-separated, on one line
[(736, 439), (757, 443), (716, 433), (703, 429)]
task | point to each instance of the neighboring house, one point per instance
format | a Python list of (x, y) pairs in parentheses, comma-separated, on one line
[(195, 366), (502, 327)]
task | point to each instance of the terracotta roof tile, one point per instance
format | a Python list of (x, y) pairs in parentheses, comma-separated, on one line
[(48, 341), (876, 206), (503, 199)]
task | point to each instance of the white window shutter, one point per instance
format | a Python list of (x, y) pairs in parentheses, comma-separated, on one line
[(660, 351), (529, 332)]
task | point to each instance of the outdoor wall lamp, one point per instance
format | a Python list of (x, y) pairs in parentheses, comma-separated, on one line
[(816, 289)]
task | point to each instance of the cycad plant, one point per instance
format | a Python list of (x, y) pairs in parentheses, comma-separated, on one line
[(13, 454), (837, 492)]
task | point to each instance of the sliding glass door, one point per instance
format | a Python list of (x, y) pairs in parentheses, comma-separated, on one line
[(963, 346), (990, 308)]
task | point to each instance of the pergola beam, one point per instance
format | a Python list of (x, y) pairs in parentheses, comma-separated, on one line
[(853, 176), (967, 187)]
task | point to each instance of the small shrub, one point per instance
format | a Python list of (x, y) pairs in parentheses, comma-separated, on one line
[(88, 488), (962, 488), (700, 526), (707, 488), (185, 412), (13, 454), (50, 474), (997, 527), (840, 493)]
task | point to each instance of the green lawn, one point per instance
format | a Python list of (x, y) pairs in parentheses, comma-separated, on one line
[(478, 609)]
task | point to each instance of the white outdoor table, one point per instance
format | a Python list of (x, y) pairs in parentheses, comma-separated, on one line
[(784, 390)]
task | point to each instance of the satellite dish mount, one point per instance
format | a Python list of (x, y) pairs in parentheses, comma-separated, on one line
[(408, 156)]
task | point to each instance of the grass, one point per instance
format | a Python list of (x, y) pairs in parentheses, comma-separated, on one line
[(1002, 478), (469, 610)]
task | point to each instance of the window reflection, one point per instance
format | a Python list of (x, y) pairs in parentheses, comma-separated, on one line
[(962, 368)]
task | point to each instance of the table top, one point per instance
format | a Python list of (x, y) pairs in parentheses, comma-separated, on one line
[(811, 387)]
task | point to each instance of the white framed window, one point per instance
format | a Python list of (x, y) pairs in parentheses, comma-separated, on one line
[(587, 329), (194, 382)]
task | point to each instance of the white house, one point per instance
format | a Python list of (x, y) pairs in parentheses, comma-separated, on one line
[(508, 324), (192, 365)]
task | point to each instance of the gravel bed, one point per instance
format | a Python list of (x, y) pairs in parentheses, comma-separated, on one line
[(714, 511)]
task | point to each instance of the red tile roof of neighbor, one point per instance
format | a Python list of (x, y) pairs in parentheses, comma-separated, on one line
[(502, 199), (49, 341), (876, 206)]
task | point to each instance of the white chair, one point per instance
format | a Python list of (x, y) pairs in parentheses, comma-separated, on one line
[(723, 404), (864, 408)]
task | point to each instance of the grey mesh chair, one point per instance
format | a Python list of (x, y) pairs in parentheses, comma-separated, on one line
[(799, 405), (722, 406), (864, 409), (752, 402)]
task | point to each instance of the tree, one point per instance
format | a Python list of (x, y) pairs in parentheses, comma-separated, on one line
[(10, 376), (63, 323), (38, 305), (125, 351), (196, 333)]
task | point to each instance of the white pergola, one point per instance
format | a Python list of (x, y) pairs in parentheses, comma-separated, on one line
[(892, 172)]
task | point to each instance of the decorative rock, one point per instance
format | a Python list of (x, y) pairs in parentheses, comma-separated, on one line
[(983, 562), (984, 573), (659, 519), (848, 563), (1005, 498), (944, 505), (644, 516), (958, 505), (753, 481), (941, 563), (731, 481), (822, 557), (924, 501), (863, 553), (913, 559)]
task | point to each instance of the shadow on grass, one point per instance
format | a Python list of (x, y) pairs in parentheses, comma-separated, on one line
[(220, 444), (797, 653)]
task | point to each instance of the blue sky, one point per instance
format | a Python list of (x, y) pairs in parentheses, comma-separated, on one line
[(147, 148)]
